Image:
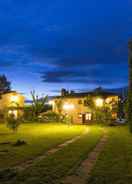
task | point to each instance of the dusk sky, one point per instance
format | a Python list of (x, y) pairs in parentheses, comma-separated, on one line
[(77, 44)]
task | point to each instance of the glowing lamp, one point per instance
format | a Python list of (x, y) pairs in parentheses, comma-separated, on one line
[(51, 102), (99, 102), (13, 112), (67, 106)]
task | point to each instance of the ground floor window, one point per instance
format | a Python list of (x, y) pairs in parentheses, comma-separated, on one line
[(88, 116)]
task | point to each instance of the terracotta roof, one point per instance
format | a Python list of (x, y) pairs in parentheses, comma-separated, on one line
[(84, 94)]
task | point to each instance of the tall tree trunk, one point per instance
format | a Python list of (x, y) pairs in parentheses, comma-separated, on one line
[(130, 87)]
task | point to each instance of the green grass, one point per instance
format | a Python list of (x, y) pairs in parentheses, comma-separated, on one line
[(39, 138), (115, 163), (51, 169)]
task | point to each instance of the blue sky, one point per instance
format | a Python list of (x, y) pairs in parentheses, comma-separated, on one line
[(76, 44)]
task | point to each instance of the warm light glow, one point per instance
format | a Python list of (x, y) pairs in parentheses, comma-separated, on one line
[(51, 102), (80, 115), (14, 98), (88, 116), (14, 112), (99, 102), (67, 106)]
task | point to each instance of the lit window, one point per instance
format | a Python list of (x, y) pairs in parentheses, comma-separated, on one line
[(68, 106), (88, 116), (79, 101)]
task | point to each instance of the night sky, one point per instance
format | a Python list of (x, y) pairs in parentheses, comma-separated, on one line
[(77, 44)]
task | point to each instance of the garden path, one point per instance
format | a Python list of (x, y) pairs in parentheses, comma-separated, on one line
[(83, 172)]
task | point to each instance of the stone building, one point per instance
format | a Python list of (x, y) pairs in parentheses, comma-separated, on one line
[(76, 105)]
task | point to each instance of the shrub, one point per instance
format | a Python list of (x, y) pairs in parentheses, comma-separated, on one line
[(49, 117), (7, 174), (28, 114), (19, 143), (12, 122), (67, 120)]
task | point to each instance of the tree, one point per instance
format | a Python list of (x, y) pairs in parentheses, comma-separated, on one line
[(38, 103), (130, 87), (12, 122), (100, 114), (5, 85), (59, 106)]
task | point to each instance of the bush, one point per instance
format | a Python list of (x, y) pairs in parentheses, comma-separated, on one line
[(28, 114), (7, 174), (19, 143), (67, 120), (12, 122), (49, 117)]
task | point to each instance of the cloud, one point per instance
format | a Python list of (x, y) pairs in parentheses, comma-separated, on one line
[(66, 41)]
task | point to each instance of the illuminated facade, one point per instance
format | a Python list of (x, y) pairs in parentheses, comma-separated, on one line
[(77, 106), (11, 103)]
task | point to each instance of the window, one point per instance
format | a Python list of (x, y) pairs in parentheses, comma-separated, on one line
[(79, 101), (88, 116), (85, 103)]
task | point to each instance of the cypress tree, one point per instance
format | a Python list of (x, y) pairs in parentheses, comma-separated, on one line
[(130, 87)]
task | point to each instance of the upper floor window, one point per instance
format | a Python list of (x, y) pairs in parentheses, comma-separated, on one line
[(85, 103), (79, 101)]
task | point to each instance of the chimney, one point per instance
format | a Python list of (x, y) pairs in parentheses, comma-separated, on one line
[(63, 92), (72, 92)]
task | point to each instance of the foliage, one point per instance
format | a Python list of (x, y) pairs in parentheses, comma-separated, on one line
[(67, 119), (101, 114), (28, 113), (19, 143), (12, 122), (38, 103), (5, 85), (90, 103), (130, 88), (59, 104), (49, 117)]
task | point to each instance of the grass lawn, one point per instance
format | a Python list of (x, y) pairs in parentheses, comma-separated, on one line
[(115, 163), (39, 138), (52, 168)]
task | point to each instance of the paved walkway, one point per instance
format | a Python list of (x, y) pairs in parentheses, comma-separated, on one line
[(30, 162), (83, 172)]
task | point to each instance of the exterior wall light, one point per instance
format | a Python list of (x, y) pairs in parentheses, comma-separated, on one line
[(99, 102), (51, 102), (67, 106)]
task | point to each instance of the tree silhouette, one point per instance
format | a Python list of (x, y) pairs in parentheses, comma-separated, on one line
[(38, 103), (130, 87), (5, 85)]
